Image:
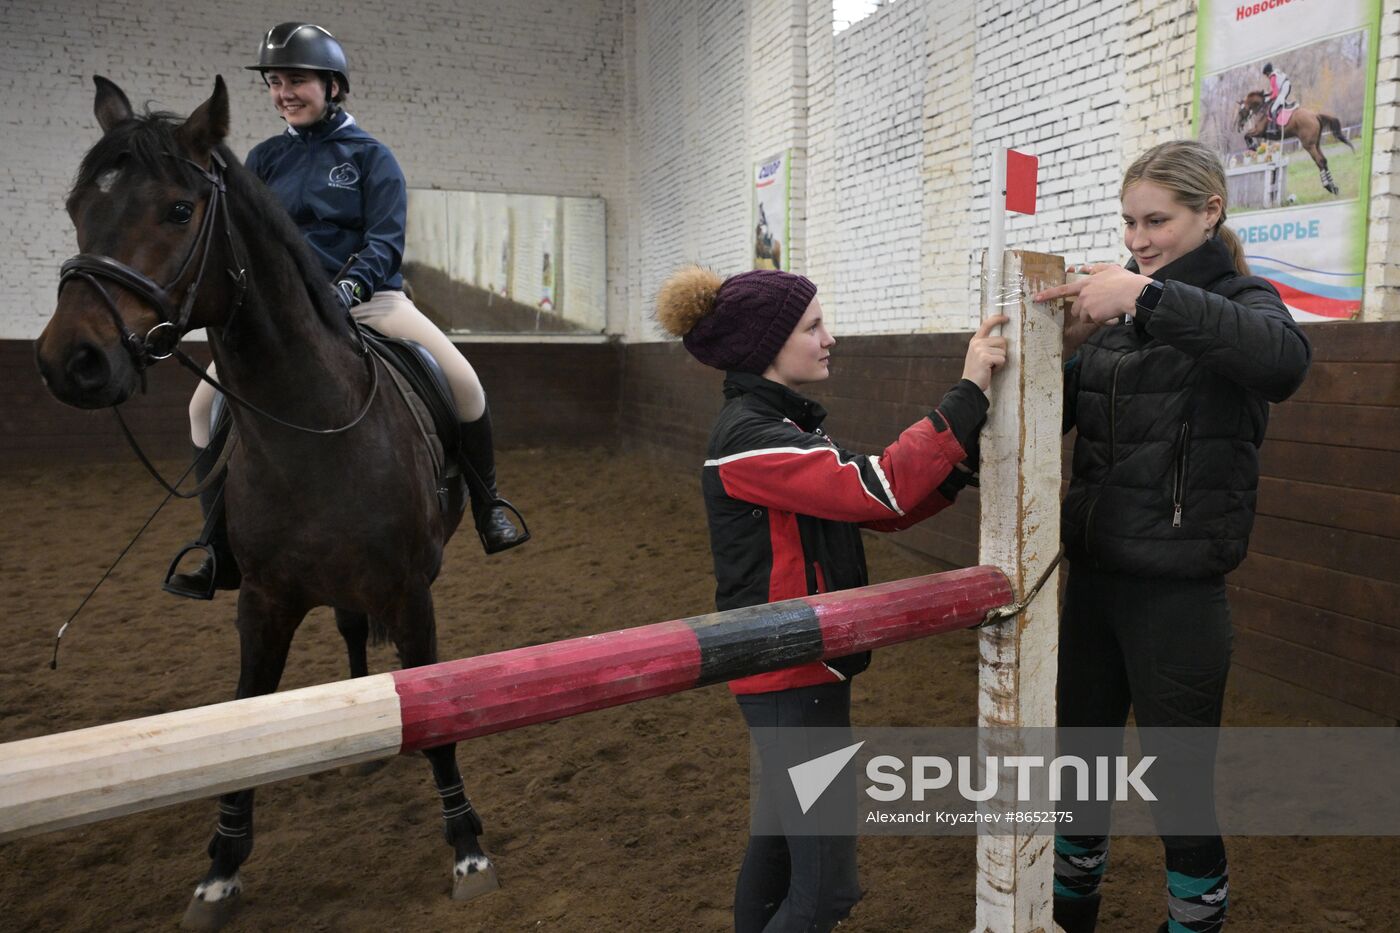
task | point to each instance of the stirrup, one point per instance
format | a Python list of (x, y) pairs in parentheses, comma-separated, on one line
[(521, 538), (175, 590)]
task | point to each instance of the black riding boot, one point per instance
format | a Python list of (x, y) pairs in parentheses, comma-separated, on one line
[(1077, 914), (203, 581), (488, 508)]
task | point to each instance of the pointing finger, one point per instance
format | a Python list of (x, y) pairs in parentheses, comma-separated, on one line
[(1060, 291)]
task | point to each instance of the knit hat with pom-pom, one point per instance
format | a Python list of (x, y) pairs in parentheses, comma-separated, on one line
[(739, 323)]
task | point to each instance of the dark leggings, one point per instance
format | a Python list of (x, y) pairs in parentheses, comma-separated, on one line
[(1161, 648), (797, 883)]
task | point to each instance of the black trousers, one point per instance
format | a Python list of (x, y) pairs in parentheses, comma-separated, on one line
[(1162, 649), (797, 883)]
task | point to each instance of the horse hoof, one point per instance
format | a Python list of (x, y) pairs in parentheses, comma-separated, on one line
[(209, 915), (475, 883), (365, 768)]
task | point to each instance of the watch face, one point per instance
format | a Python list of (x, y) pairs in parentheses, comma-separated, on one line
[(1150, 295)]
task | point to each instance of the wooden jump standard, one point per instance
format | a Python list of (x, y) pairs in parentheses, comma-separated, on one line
[(72, 778)]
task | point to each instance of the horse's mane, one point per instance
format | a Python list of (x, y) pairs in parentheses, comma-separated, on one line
[(149, 142), (256, 206)]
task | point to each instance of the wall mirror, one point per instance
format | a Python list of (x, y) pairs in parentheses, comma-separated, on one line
[(491, 263)]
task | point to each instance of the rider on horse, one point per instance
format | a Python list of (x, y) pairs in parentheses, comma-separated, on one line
[(1277, 95), (346, 192)]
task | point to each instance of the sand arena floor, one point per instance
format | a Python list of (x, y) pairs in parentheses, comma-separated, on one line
[(627, 819)]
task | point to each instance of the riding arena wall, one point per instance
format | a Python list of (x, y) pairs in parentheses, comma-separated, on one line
[(663, 108)]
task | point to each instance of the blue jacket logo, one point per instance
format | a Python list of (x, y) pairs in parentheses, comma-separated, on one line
[(344, 175)]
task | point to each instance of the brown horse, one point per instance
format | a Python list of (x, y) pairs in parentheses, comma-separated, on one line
[(333, 499), (1305, 125)]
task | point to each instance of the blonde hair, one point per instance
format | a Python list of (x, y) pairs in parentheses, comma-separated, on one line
[(1192, 172)]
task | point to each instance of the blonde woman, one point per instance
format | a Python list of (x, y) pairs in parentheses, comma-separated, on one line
[(1171, 404)]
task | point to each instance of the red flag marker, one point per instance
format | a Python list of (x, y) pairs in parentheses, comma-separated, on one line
[(1021, 172), (1012, 188)]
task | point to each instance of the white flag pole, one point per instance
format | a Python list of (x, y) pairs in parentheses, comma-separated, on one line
[(996, 241)]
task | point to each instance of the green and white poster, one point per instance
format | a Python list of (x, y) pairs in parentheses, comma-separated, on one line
[(771, 192), (1285, 92)]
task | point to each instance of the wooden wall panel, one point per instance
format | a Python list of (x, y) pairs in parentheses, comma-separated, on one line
[(1314, 602), (540, 394)]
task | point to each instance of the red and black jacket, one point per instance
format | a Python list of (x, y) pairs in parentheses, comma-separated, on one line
[(786, 505)]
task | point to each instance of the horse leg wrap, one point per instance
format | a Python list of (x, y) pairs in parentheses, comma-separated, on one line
[(232, 842), (456, 805), (234, 822)]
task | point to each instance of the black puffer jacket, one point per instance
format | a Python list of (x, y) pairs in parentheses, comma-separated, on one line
[(1171, 411)]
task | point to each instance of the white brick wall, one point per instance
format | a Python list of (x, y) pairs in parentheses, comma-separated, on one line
[(688, 161), (492, 95), (821, 204), (777, 114), (879, 89), (1052, 86), (947, 299), (662, 106), (1086, 85)]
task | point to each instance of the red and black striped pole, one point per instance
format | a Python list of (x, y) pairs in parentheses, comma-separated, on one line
[(80, 777)]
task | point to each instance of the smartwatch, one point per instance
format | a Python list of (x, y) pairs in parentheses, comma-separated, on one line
[(1149, 296)]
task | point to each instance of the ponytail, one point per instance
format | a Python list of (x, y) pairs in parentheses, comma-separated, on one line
[(1233, 244)]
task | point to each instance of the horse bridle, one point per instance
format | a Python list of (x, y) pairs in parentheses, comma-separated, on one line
[(1246, 112), (162, 340), (90, 267)]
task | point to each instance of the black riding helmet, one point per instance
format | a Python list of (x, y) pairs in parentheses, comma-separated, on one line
[(1268, 68), (306, 46)]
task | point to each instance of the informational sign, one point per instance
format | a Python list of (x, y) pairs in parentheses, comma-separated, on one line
[(1285, 92), (772, 183)]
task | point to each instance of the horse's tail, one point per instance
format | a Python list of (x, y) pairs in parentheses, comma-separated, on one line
[(1330, 122)]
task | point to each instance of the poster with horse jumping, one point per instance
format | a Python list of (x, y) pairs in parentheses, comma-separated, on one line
[(1285, 92), (772, 192)]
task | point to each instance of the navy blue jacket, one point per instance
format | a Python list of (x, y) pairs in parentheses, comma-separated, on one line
[(345, 190)]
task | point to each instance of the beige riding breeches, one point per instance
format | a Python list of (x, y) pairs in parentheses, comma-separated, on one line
[(394, 315)]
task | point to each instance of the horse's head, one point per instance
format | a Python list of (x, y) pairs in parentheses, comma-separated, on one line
[(144, 206), (1250, 107)]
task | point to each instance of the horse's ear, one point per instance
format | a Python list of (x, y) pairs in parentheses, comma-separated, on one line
[(208, 125), (110, 105)]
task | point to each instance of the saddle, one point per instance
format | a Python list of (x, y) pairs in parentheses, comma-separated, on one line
[(415, 371)]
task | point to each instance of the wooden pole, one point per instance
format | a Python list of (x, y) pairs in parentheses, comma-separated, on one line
[(1020, 500), (80, 777)]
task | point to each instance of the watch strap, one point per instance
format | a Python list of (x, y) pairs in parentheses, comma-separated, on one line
[(1150, 295)]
